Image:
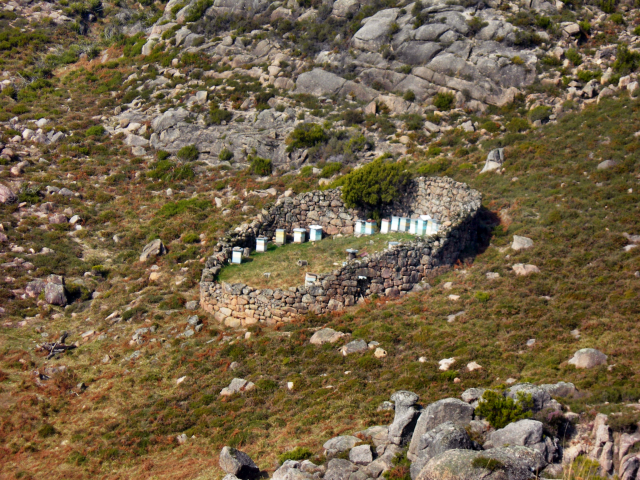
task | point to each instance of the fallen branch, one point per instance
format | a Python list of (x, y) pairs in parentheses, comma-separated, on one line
[(56, 347)]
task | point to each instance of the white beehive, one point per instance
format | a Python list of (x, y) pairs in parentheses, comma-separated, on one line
[(261, 244), (395, 224), (370, 227), (299, 235), (385, 225), (281, 237), (236, 255), (315, 233)]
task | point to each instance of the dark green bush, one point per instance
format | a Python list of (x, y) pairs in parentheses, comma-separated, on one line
[(617, 18), (306, 135), (191, 238), (330, 169), (607, 6), (541, 113), (444, 101), (378, 183), (588, 75), (500, 410), (261, 166), (95, 131), (225, 155), (47, 430), (518, 124), (162, 155), (218, 115), (188, 153), (585, 27), (573, 56), (352, 117), (626, 60), (433, 167), (298, 453), (409, 96), (543, 22)]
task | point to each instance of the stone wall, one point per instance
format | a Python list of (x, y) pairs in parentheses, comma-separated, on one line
[(388, 273)]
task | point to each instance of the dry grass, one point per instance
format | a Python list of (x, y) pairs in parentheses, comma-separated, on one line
[(321, 257)]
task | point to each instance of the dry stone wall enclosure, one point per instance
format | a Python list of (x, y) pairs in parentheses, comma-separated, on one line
[(389, 272)]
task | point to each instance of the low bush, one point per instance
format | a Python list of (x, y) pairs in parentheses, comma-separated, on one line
[(433, 167), (500, 410), (352, 117), (444, 101), (261, 166), (626, 60), (409, 96), (573, 56), (188, 153), (218, 115), (540, 112), (225, 155), (298, 453), (95, 131), (162, 155), (306, 135), (330, 169), (191, 238), (518, 124)]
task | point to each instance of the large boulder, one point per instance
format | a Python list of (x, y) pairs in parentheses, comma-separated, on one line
[(511, 463), (291, 470), (326, 335), (238, 463), (319, 82), (361, 455), (495, 159), (540, 396), (376, 30), (446, 436), (169, 119), (339, 469), (521, 243), (448, 409), (6, 195), (406, 415), (526, 433), (588, 358), (344, 8), (153, 249), (355, 346), (337, 445), (54, 291)]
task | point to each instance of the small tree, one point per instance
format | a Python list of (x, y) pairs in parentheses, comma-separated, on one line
[(444, 101), (261, 166), (306, 135), (500, 411), (375, 184)]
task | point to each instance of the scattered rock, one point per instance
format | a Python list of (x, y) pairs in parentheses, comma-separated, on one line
[(238, 463), (237, 385), (326, 335), (152, 250), (588, 358), (523, 270), (337, 445), (6, 195), (446, 363), (361, 455), (521, 243), (495, 159), (355, 346)]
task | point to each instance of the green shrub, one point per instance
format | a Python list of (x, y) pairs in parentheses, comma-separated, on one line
[(197, 10), (378, 183), (573, 56), (218, 115), (617, 18), (476, 24), (19, 109), (543, 22), (607, 6), (261, 166), (306, 135), (330, 169), (352, 117), (162, 155), (433, 167), (298, 453), (500, 410), (188, 153), (636, 31), (626, 60), (172, 209), (588, 75), (225, 155), (540, 112), (413, 121), (444, 101), (191, 238), (518, 124), (95, 131), (585, 27), (482, 297), (490, 126), (46, 430), (409, 96)]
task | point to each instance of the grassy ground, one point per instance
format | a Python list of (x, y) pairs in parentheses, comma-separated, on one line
[(321, 257)]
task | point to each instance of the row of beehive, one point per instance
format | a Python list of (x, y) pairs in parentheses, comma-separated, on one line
[(424, 225)]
